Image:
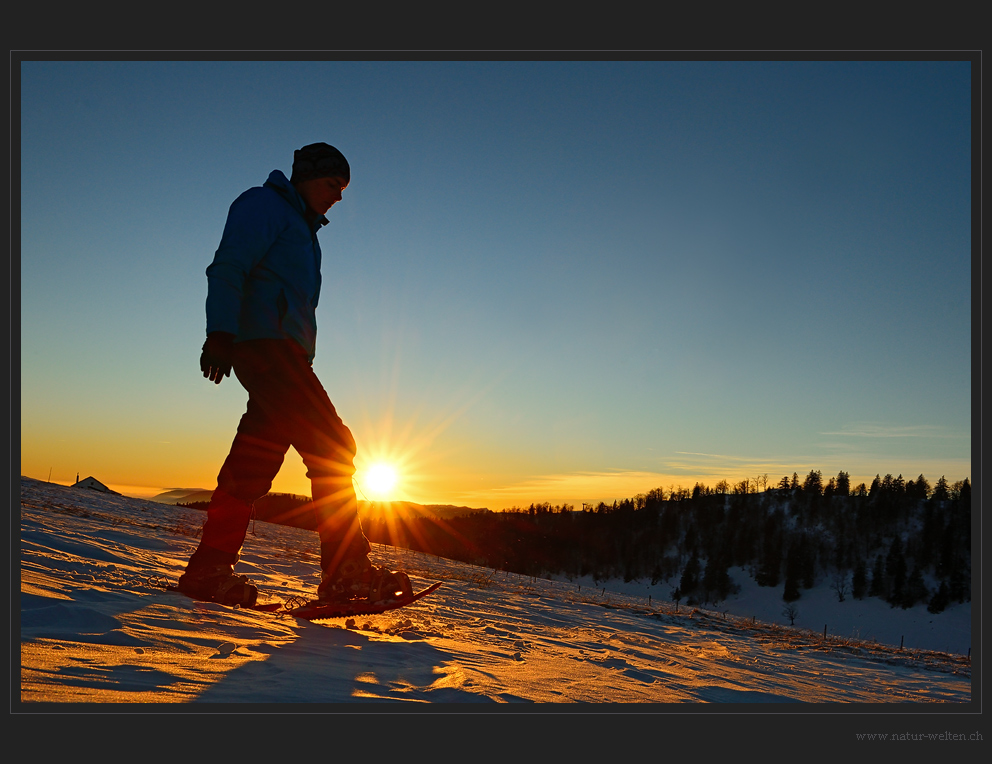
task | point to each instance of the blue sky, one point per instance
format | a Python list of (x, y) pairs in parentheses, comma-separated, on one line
[(548, 281)]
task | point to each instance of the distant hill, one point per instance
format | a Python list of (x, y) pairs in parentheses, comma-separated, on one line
[(184, 495), (449, 510), (409, 509)]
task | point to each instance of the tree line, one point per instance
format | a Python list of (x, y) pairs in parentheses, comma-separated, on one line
[(905, 542)]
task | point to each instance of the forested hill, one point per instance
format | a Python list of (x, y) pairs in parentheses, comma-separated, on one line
[(903, 541)]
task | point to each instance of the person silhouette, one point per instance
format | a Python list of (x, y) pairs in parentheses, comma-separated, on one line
[(263, 287)]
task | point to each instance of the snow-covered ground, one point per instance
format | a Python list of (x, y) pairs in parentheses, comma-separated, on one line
[(869, 620), (94, 628)]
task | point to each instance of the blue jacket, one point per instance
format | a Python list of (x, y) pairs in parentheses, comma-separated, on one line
[(264, 281)]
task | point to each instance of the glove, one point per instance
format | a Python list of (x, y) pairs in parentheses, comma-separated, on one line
[(215, 360)]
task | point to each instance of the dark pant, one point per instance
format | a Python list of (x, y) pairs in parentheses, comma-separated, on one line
[(287, 406)]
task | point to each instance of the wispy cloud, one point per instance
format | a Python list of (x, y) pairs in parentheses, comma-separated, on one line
[(722, 457), (874, 430), (703, 466)]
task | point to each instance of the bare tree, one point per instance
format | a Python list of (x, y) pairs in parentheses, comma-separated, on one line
[(840, 586), (792, 613)]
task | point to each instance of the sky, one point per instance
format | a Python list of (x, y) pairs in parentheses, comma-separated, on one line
[(548, 281)]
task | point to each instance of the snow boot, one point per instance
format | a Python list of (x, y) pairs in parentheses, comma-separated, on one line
[(210, 576), (371, 583), (356, 578)]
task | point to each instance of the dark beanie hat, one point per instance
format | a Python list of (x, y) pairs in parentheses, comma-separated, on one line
[(319, 160)]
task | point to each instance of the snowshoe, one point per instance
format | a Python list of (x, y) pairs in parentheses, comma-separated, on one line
[(317, 610)]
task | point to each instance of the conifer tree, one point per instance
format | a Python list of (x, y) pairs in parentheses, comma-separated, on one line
[(830, 489), (807, 562), (940, 600), (813, 485), (793, 573), (958, 584), (946, 559), (915, 591), (690, 576), (876, 487), (843, 485), (899, 485), (964, 495), (895, 572), (929, 536), (716, 578), (771, 554), (940, 490), (877, 587), (859, 580)]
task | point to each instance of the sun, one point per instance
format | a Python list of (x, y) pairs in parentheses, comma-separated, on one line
[(379, 481)]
